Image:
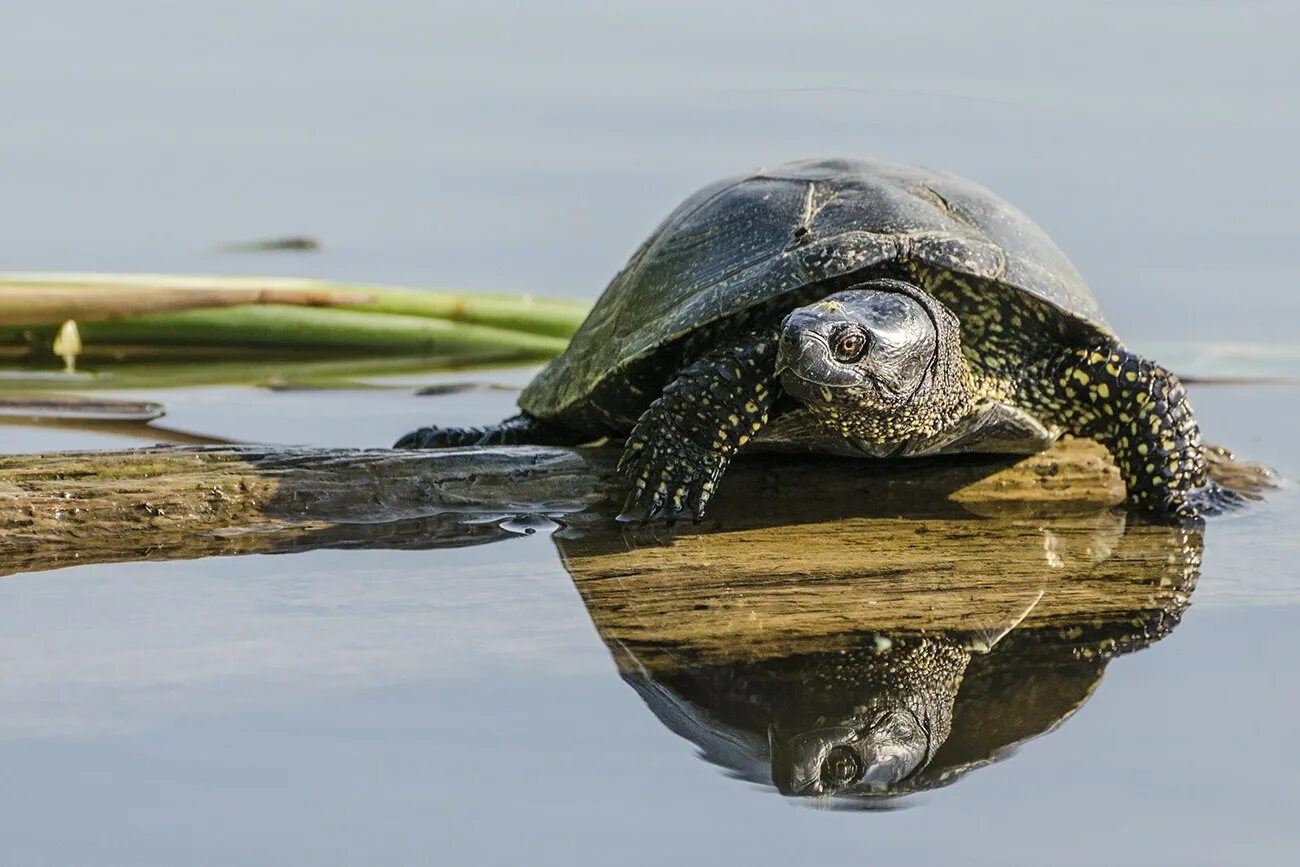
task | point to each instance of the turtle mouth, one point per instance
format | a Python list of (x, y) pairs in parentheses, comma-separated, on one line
[(810, 390), (808, 381)]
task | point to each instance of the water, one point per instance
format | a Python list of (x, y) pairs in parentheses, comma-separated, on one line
[(463, 705)]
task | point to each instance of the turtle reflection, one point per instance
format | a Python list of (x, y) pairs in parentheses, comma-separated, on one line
[(859, 721), (872, 679), (902, 697)]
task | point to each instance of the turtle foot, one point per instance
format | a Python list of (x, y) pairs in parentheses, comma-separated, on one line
[(672, 478), (1191, 508), (521, 429), (1212, 500), (440, 438)]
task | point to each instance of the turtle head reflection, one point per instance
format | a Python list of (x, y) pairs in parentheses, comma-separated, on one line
[(832, 761), (863, 721), (852, 722)]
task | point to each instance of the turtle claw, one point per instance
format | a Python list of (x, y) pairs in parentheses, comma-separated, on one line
[(637, 511), (644, 507), (1212, 500), (1191, 508), (672, 479)]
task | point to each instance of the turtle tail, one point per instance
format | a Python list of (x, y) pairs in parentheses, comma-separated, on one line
[(1141, 413)]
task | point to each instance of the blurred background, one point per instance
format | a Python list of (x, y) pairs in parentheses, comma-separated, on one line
[(531, 146)]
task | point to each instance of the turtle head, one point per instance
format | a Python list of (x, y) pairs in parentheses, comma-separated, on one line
[(876, 355), (868, 755)]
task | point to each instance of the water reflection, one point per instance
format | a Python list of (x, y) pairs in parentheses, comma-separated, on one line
[(874, 657), (865, 635)]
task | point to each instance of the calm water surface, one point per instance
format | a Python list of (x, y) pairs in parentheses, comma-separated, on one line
[(482, 705)]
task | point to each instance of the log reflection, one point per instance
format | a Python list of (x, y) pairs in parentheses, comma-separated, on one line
[(876, 656)]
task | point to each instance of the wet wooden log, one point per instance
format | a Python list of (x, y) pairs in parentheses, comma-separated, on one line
[(167, 503), (184, 502), (250, 488)]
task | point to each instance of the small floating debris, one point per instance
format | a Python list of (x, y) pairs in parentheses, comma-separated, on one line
[(528, 524), (449, 388), (291, 244), (289, 385)]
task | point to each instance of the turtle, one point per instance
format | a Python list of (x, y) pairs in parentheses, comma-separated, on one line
[(852, 307)]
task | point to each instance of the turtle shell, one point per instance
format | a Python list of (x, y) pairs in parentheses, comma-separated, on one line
[(780, 236)]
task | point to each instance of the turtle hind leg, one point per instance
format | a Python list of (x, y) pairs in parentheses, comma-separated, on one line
[(1141, 413), (522, 429)]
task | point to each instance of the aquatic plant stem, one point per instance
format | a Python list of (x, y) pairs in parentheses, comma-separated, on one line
[(282, 326)]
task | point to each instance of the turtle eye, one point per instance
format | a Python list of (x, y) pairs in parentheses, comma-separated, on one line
[(902, 731), (849, 345), (840, 767)]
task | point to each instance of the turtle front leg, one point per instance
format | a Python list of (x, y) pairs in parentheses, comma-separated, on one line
[(1141, 413), (682, 444)]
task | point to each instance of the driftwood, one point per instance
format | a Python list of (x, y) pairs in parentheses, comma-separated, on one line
[(175, 503), (243, 489), (185, 502), (194, 501)]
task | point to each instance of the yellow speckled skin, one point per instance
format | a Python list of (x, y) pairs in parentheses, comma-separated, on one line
[(1131, 405)]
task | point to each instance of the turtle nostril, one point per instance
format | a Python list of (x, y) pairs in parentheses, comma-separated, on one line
[(787, 351)]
